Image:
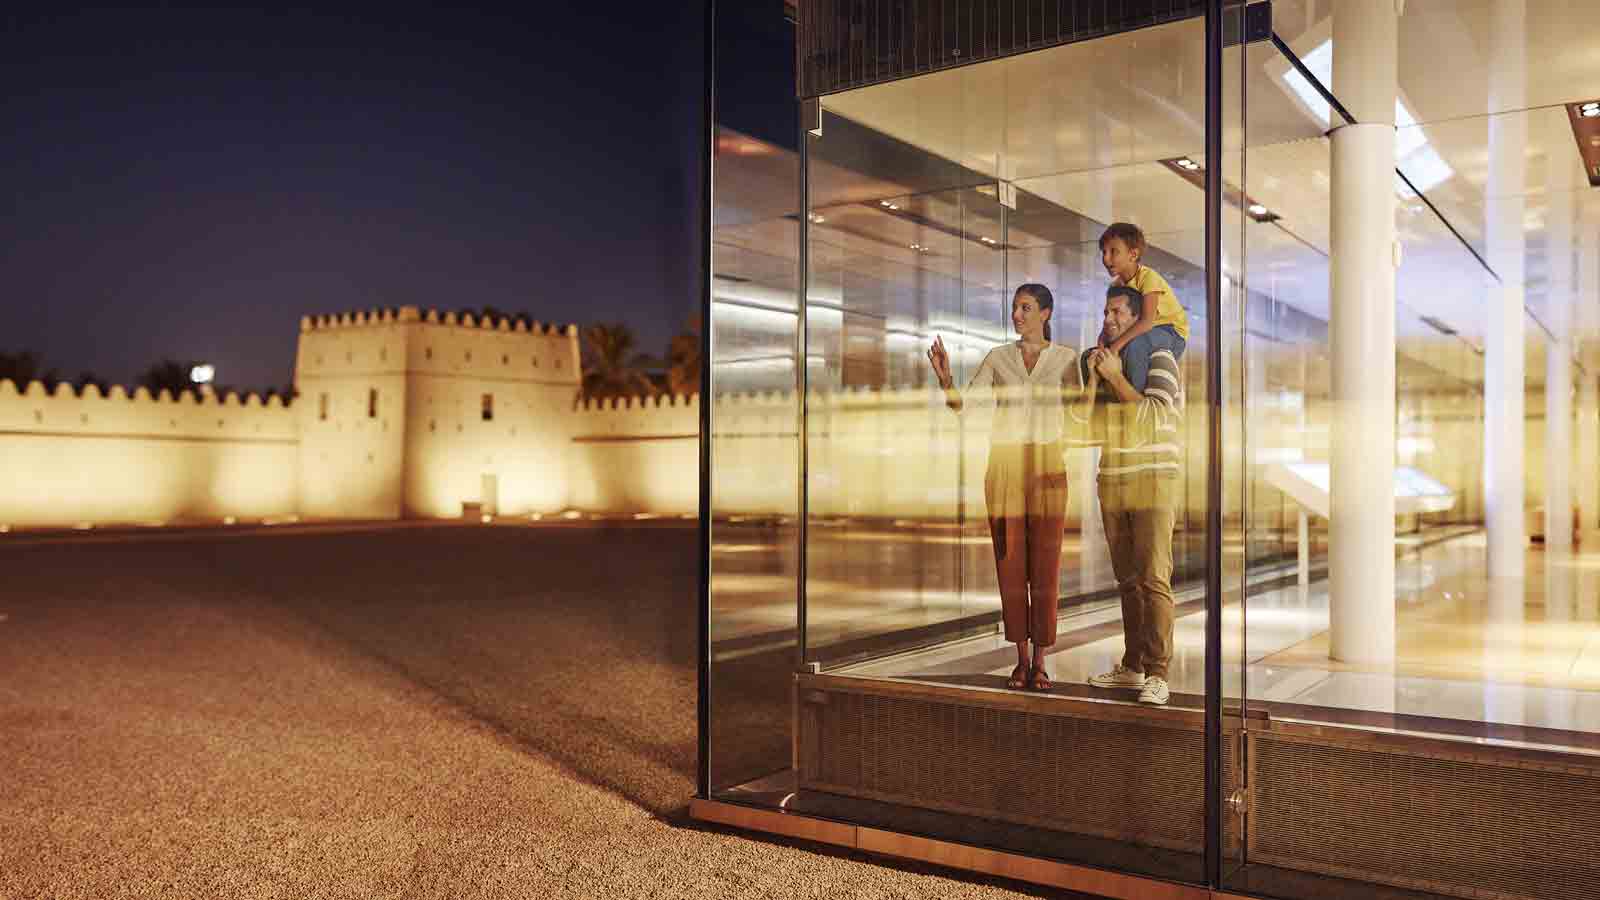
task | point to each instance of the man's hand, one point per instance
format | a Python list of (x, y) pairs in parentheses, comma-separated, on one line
[(1106, 364)]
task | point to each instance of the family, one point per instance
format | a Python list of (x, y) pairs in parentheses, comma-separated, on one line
[(1124, 395)]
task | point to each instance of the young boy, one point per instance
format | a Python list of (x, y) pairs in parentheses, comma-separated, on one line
[(1162, 322)]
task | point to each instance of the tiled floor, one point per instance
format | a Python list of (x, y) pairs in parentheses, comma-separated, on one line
[(1508, 651)]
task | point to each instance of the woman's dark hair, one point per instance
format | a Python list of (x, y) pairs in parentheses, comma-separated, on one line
[(1042, 296), (1132, 295)]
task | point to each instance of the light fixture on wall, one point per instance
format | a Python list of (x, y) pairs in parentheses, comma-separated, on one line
[(203, 373), (922, 221), (1194, 173), (1585, 117)]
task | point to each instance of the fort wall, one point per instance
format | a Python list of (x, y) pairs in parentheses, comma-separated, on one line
[(140, 459), (406, 413)]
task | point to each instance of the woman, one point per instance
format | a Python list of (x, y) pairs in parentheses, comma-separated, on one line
[(1025, 486)]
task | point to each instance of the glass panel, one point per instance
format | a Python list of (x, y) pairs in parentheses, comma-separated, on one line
[(755, 494), (1487, 637), (933, 536), (1444, 295)]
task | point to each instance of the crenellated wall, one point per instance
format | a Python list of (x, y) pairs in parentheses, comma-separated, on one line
[(515, 460), (405, 413), (121, 458), (634, 454), (412, 413)]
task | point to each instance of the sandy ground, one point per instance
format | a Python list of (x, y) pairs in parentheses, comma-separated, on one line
[(415, 712)]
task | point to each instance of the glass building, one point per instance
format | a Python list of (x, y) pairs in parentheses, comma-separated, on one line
[(1380, 222)]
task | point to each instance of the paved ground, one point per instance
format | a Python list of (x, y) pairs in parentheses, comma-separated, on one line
[(421, 712)]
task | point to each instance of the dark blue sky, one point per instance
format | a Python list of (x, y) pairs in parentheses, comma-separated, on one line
[(189, 183)]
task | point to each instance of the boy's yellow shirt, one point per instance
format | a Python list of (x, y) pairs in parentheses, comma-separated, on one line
[(1148, 281)]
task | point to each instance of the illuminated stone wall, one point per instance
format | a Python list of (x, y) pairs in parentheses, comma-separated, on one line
[(70, 459), (350, 372), (489, 415), (391, 422), (412, 414)]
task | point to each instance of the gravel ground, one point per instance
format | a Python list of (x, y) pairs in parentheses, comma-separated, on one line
[(415, 712)]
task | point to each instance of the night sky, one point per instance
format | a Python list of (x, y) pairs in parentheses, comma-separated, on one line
[(189, 183)]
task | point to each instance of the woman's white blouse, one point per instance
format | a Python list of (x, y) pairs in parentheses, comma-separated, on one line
[(1029, 408)]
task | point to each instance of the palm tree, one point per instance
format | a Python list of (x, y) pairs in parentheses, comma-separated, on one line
[(683, 360), (22, 367), (610, 366), (169, 374)]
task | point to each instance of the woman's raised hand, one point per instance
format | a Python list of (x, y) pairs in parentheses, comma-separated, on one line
[(940, 360)]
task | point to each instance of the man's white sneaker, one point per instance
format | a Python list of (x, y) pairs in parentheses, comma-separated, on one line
[(1155, 691), (1118, 677)]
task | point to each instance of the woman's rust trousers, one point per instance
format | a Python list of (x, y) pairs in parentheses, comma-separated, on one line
[(1026, 491)]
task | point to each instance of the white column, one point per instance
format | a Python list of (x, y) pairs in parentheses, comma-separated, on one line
[(1558, 306), (1588, 305), (1361, 335), (1505, 326)]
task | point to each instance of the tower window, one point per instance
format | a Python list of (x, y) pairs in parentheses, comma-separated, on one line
[(488, 407), (372, 403), (322, 406)]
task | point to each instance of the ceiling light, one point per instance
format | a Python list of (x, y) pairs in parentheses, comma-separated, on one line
[(988, 240), (1257, 209), (1591, 111), (1187, 163), (1591, 106)]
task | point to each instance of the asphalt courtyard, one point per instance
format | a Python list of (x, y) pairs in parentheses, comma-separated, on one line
[(419, 711)]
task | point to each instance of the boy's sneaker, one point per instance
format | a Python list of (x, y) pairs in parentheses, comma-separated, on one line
[(1118, 677), (1155, 691)]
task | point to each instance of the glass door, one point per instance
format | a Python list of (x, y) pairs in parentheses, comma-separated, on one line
[(1006, 589)]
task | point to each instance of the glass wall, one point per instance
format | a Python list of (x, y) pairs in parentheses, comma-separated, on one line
[(931, 200), (1448, 286), (1369, 736), (928, 202), (1483, 636)]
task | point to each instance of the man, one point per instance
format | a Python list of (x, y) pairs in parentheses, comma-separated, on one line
[(1139, 430)]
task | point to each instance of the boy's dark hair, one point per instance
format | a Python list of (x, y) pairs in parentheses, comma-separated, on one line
[(1134, 298), (1127, 232)]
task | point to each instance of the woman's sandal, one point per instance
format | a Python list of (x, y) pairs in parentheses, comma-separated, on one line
[(1040, 680), (1019, 678)]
